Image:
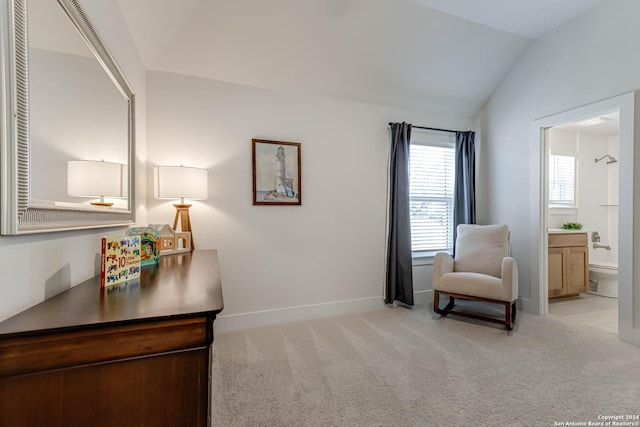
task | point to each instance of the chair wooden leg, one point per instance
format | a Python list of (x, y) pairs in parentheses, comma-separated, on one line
[(452, 302), (436, 304), (510, 315)]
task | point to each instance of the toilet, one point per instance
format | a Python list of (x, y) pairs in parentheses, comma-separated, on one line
[(603, 278)]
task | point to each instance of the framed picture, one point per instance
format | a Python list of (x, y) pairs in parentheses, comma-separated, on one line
[(276, 173)]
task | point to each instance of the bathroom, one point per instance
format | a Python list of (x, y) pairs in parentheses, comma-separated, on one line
[(583, 189)]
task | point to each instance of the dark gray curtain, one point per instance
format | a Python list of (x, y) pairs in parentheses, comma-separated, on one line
[(399, 262), (464, 192)]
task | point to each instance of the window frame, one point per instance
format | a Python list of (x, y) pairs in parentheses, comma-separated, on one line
[(423, 138), (556, 204)]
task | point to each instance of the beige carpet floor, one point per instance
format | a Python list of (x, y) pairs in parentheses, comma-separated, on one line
[(401, 367), (588, 310)]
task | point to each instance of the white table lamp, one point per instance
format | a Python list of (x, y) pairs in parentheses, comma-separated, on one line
[(87, 178), (180, 182)]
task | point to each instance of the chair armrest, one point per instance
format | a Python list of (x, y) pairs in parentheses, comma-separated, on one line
[(442, 263), (510, 276)]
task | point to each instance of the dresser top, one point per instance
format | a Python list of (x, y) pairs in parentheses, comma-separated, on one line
[(183, 285)]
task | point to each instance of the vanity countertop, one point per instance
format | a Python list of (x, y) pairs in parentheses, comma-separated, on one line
[(563, 231)]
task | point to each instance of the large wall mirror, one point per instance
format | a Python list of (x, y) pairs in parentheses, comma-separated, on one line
[(67, 123)]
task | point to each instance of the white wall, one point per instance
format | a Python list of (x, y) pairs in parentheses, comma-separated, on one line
[(328, 250), (593, 192), (591, 58), (613, 144), (37, 266)]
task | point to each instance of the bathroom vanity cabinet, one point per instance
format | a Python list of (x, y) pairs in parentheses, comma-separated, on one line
[(568, 264)]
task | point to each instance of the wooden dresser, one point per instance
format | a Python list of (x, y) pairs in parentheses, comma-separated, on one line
[(568, 264), (135, 354)]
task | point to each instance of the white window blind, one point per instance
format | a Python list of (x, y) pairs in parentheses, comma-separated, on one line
[(431, 172), (562, 177)]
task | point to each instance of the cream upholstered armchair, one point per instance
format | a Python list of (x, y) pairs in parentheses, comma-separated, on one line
[(482, 271)]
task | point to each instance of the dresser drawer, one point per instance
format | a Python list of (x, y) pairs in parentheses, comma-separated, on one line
[(567, 240), (55, 350)]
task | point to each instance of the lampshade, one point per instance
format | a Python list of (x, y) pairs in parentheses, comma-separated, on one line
[(86, 178), (180, 182)]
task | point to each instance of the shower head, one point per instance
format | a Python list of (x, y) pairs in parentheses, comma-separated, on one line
[(610, 159)]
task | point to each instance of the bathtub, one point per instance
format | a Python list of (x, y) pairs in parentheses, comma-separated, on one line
[(603, 269)]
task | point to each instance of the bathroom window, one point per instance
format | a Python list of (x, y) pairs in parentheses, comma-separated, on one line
[(562, 181), (431, 176)]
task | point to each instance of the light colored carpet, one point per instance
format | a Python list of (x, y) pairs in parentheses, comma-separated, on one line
[(400, 367), (588, 310)]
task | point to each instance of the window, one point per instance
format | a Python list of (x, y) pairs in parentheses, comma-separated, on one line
[(431, 175), (562, 177)]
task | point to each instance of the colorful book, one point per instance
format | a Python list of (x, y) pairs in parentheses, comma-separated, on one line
[(149, 244), (120, 259)]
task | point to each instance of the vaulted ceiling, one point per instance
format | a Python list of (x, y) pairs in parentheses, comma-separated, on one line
[(437, 56)]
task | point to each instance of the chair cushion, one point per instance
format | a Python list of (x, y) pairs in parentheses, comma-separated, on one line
[(480, 248), (473, 284)]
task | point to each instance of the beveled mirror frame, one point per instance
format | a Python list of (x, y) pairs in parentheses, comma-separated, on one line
[(18, 215)]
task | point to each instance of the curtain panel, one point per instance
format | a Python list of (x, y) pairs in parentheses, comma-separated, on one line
[(399, 280), (464, 191)]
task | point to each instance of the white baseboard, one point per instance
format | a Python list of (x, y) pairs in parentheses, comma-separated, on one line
[(234, 322), (423, 297), (528, 306)]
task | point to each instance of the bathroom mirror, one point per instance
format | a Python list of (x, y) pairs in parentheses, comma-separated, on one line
[(65, 102)]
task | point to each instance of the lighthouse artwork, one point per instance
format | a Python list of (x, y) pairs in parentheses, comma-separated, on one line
[(276, 173)]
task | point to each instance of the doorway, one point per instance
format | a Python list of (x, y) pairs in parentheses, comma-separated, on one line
[(582, 235), (629, 241)]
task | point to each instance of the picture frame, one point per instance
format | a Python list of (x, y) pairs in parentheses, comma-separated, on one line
[(277, 173)]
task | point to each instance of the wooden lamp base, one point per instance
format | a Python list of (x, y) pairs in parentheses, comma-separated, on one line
[(101, 202), (182, 213)]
